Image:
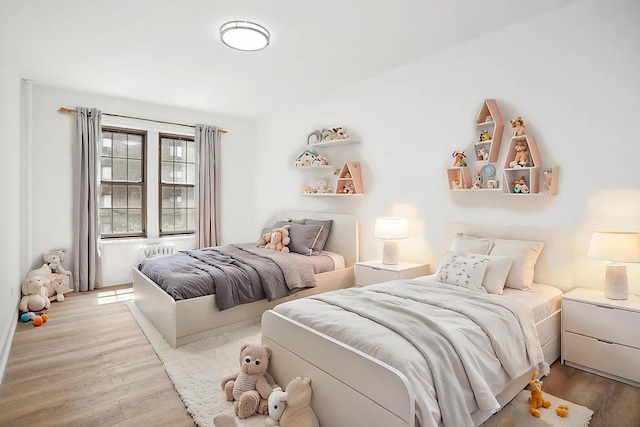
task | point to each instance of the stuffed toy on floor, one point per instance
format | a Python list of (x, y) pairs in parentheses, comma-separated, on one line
[(536, 400), (297, 412)]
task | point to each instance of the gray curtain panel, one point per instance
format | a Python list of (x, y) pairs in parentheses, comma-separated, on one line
[(87, 264), (207, 139)]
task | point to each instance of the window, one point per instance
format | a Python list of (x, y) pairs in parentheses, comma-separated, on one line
[(122, 185), (177, 185)]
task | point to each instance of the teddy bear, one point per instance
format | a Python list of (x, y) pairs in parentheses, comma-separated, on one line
[(522, 155), (279, 239), (54, 260), (297, 413), (518, 126), (264, 240), (34, 293), (520, 185), (250, 388), (536, 400)]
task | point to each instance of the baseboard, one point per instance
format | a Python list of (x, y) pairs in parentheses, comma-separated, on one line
[(5, 345)]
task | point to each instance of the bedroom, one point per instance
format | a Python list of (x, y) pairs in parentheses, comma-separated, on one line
[(577, 85)]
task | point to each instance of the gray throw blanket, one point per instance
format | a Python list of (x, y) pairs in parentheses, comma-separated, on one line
[(433, 321), (236, 274)]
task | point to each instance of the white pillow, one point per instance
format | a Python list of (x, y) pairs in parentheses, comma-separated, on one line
[(497, 271), (463, 244), (462, 271), (525, 255)]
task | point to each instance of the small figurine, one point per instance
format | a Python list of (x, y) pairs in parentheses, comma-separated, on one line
[(455, 184), (483, 154), (488, 119), (477, 180), (547, 176), (347, 175), (320, 161), (520, 186), (518, 126), (492, 183), (459, 159), (484, 136), (521, 158)]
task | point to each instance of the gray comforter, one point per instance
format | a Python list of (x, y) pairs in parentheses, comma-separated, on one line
[(236, 274)]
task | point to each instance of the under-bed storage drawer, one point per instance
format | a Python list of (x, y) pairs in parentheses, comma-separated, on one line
[(602, 356)]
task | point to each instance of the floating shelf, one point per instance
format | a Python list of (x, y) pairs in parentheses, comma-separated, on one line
[(485, 124), (331, 195), (335, 142), (314, 167)]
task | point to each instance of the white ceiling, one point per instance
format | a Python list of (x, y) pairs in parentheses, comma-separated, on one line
[(168, 51)]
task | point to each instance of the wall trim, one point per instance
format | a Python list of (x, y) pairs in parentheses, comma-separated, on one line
[(5, 345)]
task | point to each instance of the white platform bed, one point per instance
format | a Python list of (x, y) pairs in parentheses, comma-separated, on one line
[(189, 320), (352, 388)]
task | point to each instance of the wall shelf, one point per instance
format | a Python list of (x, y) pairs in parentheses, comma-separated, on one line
[(335, 142), (306, 168), (330, 195)]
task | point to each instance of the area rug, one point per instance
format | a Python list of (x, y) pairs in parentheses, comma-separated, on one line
[(518, 411), (196, 369)]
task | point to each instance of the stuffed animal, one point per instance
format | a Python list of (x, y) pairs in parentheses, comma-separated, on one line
[(264, 240), (277, 405), (520, 185), (536, 400), (298, 413), (56, 289), (459, 159), (522, 155), (34, 293), (250, 388), (484, 136), (562, 411), (477, 180), (279, 239), (483, 154), (518, 126), (54, 260)]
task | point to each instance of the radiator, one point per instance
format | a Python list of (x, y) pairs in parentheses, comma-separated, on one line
[(156, 249)]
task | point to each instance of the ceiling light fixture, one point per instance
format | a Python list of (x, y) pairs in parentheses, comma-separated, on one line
[(244, 35)]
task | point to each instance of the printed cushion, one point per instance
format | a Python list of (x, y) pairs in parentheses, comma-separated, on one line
[(462, 271)]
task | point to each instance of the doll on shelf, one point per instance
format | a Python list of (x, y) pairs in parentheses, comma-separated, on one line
[(459, 159)]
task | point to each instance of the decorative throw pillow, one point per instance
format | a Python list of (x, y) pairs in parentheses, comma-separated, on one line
[(525, 255), (497, 271), (463, 244), (462, 271), (280, 224), (324, 234), (303, 237)]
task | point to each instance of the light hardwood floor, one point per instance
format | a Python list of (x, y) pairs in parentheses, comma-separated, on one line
[(91, 365)]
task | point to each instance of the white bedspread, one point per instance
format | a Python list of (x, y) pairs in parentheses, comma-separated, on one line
[(470, 325)]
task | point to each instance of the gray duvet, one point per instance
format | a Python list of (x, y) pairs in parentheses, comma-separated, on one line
[(236, 274)]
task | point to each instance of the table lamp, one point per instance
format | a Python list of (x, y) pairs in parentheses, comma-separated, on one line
[(390, 229), (617, 248)]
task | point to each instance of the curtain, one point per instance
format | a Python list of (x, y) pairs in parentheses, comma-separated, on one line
[(207, 139), (87, 264)]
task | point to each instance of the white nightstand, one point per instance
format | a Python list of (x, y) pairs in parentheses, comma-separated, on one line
[(370, 272), (600, 335)]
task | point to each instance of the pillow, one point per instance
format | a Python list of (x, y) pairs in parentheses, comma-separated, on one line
[(324, 234), (463, 244), (462, 271), (497, 271), (303, 237), (525, 255), (280, 224)]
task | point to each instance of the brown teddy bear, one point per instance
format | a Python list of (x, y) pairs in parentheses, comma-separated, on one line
[(522, 155), (250, 388), (279, 239), (536, 400), (518, 126), (297, 412)]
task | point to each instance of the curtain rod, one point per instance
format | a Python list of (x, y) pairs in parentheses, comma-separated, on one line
[(71, 110)]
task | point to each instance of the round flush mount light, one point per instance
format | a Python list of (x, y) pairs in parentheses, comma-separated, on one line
[(243, 35)]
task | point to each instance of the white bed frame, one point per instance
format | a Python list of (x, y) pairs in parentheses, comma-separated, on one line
[(185, 321), (352, 388)]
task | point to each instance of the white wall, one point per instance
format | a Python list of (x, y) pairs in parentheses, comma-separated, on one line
[(573, 74), (52, 172)]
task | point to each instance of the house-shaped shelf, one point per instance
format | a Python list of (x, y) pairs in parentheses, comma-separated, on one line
[(489, 128), (459, 178), (516, 168), (349, 179)]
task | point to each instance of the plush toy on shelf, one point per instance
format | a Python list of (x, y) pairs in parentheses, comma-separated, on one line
[(521, 159), (483, 154), (459, 159), (484, 136), (477, 181), (536, 400), (520, 185), (518, 126)]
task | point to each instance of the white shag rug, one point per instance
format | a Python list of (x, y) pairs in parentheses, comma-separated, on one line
[(196, 369), (518, 411)]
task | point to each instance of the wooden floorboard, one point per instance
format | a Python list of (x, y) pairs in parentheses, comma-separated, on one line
[(91, 365)]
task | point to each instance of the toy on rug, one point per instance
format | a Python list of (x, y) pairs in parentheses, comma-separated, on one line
[(298, 413), (518, 126), (521, 158), (37, 318), (250, 388), (562, 411), (34, 294), (279, 239), (277, 405), (459, 159), (536, 400)]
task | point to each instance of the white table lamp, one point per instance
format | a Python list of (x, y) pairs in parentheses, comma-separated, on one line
[(617, 248), (390, 229)]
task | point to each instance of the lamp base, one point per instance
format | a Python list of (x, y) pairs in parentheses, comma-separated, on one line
[(615, 282), (390, 252)]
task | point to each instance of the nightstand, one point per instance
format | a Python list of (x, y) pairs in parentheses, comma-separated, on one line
[(370, 272), (601, 335)]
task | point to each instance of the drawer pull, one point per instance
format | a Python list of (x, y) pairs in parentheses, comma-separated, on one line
[(606, 342), (605, 306)]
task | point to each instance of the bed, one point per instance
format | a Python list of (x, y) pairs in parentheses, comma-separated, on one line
[(188, 320), (353, 388)]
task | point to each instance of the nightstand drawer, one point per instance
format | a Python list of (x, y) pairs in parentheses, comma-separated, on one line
[(606, 323), (602, 356), (366, 275)]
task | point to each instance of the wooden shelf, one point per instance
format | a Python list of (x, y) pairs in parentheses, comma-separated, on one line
[(477, 190), (335, 142), (330, 195), (494, 128), (485, 124), (305, 168)]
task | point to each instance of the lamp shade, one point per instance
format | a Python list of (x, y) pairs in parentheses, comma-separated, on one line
[(615, 246), (391, 228)]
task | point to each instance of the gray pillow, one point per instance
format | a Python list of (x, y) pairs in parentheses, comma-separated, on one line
[(281, 224), (303, 237), (324, 234)]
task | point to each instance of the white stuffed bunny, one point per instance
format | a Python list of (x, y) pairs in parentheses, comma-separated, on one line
[(277, 405)]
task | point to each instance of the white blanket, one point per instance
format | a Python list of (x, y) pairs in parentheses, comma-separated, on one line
[(472, 344)]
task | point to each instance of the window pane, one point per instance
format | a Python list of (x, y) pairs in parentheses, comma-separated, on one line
[(105, 221), (166, 148), (105, 196), (191, 173), (107, 143), (135, 146), (119, 145), (179, 173), (120, 221), (181, 219), (135, 220), (167, 220), (167, 197), (181, 197), (191, 219), (106, 170), (135, 171), (166, 172), (119, 169), (191, 197), (135, 196), (191, 152), (119, 196), (180, 151)]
